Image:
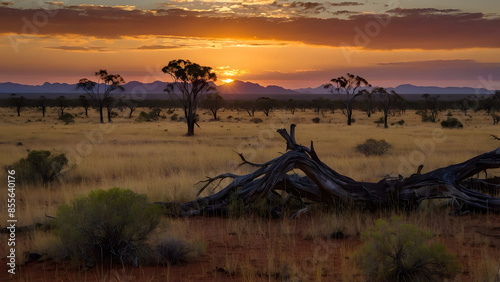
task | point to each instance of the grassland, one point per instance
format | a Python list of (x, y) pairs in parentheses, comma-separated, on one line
[(157, 159)]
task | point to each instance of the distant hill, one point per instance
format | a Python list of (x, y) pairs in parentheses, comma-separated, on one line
[(236, 87), (241, 87)]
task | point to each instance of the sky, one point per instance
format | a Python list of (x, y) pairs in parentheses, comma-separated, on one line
[(291, 43)]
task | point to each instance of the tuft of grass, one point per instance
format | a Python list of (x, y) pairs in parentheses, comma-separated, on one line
[(373, 147), (451, 122)]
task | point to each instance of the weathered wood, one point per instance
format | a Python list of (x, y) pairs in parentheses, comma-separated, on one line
[(324, 185)]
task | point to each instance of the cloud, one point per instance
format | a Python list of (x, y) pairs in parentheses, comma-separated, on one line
[(6, 3), (158, 47), (421, 11), (342, 4), (79, 48), (427, 29)]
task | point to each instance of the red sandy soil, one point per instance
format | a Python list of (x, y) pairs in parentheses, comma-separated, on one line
[(221, 246)]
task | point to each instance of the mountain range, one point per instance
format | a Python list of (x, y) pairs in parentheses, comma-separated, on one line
[(234, 88)]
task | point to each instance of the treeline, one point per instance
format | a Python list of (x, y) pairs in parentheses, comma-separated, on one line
[(213, 102)]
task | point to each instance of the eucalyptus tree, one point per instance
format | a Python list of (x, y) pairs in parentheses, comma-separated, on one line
[(100, 90), (349, 86), (191, 82)]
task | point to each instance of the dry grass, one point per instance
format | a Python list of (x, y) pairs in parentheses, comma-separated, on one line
[(155, 158)]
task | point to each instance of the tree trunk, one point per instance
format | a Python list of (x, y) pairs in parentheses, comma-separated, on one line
[(324, 185), (190, 124), (385, 119), (109, 115), (101, 114)]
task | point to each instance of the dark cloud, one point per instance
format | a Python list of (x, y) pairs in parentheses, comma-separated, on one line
[(341, 4), (6, 3), (79, 48), (402, 11), (157, 47), (433, 29)]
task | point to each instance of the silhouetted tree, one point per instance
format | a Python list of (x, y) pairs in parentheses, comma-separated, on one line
[(131, 104), (109, 82), (266, 104), (467, 103), (42, 103), (432, 104), (387, 100), (291, 105), (85, 103), (349, 86), (369, 104), (62, 103), (250, 107), (110, 103), (18, 102), (213, 102), (192, 81)]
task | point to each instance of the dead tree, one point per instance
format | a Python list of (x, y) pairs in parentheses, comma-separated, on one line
[(322, 184)]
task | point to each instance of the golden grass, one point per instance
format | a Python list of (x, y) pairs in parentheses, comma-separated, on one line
[(157, 159)]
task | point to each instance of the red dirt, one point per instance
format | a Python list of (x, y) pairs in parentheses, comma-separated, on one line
[(228, 254)]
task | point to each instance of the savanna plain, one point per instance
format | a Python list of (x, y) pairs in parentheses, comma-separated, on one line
[(158, 160)]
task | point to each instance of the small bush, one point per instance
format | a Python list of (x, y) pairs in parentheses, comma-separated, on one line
[(39, 167), (401, 122), (67, 118), (373, 147), (174, 117), (256, 120), (379, 121), (172, 251), (496, 118), (143, 116), (316, 120), (396, 251), (107, 226), (451, 123), (425, 116)]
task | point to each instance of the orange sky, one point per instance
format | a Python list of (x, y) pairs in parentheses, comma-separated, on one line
[(289, 43)]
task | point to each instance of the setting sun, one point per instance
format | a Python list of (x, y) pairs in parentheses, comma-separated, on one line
[(227, 80)]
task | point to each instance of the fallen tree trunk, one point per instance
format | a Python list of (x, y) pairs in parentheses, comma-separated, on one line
[(324, 185)]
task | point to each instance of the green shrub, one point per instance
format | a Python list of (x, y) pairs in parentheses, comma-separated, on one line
[(174, 117), (316, 120), (39, 167), (451, 122), (67, 118), (373, 147), (397, 251), (425, 116), (256, 120), (143, 116), (107, 226)]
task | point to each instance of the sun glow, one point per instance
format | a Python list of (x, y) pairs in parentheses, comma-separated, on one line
[(227, 80)]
